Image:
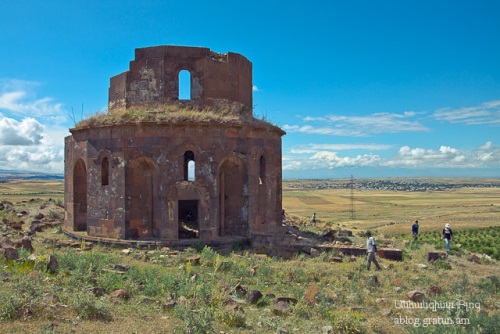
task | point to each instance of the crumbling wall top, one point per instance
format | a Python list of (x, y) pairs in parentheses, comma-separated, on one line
[(216, 80)]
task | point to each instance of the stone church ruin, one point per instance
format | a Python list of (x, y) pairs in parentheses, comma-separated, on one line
[(163, 168)]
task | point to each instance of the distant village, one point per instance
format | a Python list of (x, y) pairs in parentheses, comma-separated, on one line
[(394, 185)]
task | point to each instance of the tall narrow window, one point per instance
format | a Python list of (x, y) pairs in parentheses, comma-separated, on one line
[(262, 170), (105, 172), (184, 85), (189, 166)]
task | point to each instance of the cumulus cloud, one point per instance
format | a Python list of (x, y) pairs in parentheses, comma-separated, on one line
[(49, 159), (26, 143), (27, 132), (486, 156), (486, 113), (360, 126), (255, 88)]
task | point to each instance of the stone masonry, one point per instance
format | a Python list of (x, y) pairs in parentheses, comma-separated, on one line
[(165, 180)]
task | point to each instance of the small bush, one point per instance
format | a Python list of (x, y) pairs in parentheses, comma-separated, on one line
[(54, 215), (89, 307), (346, 322)]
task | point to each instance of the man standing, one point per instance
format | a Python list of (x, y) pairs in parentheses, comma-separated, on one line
[(414, 230), (447, 236), (371, 248)]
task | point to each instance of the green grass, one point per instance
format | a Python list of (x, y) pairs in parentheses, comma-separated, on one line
[(341, 295), (483, 240)]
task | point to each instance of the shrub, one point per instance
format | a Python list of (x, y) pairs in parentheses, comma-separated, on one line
[(54, 215), (89, 307), (346, 322)]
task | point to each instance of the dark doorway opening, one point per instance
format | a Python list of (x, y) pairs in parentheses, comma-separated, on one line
[(188, 219)]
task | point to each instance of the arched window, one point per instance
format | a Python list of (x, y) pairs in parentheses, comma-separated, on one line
[(105, 172), (262, 170), (189, 166), (184, 85)]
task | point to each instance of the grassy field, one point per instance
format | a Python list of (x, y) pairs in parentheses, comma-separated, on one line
[(204, 290)]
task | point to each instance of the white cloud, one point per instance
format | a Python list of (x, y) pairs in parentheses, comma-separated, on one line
[(49, 159), (359, 126), (486, 156), (255, 88), (18, 97), (486, 113), (27, 132), (26, 143)]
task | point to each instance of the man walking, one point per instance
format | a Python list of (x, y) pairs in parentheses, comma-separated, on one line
[(371, 248)]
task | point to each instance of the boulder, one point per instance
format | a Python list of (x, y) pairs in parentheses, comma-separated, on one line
[(9, 252), (281, 308)]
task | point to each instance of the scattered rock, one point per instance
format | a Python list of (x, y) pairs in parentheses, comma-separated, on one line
[(120, 294), (53, 265), (374, 280), (356, 308), (195, 260), (288, 300), (241, 291), (327, 330), (415, 295), (26, 244), (434, 290), (474, 258), (121, 267), (432, 256), (386, 312), (9, 252), (337, 259), (97, 291), (254, 296), (170, 305), (422, 266), (330, 235), (281, 308)]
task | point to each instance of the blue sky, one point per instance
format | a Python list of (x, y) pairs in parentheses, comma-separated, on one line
[(368, 88)]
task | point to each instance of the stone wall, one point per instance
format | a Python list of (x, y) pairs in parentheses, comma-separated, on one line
[(146, 179), (217, 80)]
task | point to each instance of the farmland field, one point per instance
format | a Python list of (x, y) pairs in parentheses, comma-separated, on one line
[(393, 212), (22, 190)]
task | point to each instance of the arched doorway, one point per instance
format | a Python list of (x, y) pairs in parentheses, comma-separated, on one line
[(80, 196), (233, 198), (139, 199)]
